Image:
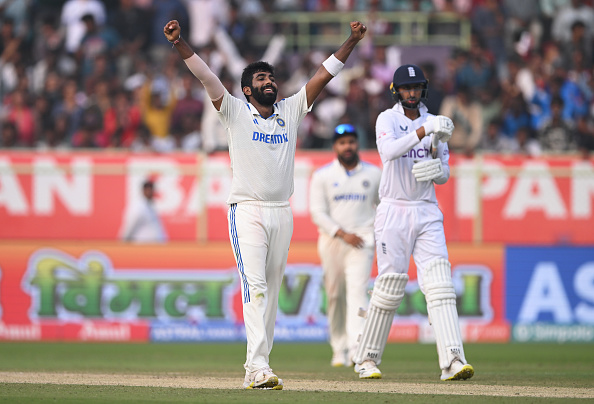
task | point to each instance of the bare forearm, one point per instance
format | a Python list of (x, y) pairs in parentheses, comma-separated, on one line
[(184, 50), (346, 48)]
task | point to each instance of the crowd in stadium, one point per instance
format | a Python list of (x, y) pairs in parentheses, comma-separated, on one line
[(100, 74)]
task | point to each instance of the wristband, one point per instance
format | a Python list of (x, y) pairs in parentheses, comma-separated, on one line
[(333, 65), (176, 41)]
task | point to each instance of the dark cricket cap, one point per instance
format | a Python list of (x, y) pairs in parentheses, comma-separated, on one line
[(344, 129)]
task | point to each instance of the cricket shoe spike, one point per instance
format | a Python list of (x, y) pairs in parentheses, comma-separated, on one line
[(457, 371)]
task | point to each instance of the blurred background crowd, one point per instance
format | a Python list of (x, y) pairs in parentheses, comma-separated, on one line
[(97, 74)]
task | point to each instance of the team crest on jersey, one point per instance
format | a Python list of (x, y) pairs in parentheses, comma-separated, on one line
[(404, 129), (365, 184), (280, 121)]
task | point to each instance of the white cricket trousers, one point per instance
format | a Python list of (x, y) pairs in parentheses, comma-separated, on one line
[(346, 280), (260, 234), (403, 228)]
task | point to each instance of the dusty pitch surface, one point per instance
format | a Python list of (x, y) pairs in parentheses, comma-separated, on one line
[(372, 386)]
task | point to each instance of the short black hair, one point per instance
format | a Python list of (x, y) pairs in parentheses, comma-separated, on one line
[(255, 67)]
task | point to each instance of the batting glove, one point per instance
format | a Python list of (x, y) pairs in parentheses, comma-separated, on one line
[(441, 126), (427, 170)]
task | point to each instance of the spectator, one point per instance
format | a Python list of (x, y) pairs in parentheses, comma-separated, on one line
[(130, 22), (143, 140), (524, 144), (578, 43), (190, 102), (186, 137), (141, 222), (515, 116), (9, 137), (488, 22), (493, 140), (556, 135), (70, 106), (20, 113), (585, 137), (466, 114), (121, 121), (95, 42), (71, 20), (578, 10), (158, 103)]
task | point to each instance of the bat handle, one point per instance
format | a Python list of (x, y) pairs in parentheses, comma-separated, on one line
[(434, 143)]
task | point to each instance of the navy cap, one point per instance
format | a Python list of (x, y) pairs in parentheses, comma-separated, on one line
[(345, 129)]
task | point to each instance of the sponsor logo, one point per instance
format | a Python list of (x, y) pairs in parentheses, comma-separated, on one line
[(350, 197), (404, 129), (417, 153), (272, 139)]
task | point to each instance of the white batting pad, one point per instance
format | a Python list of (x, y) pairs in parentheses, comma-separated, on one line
[(388, 292), (443, 316)]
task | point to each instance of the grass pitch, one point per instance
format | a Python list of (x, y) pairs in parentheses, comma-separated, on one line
[(410, 370)]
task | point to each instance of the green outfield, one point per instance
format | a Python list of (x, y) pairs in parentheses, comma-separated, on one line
[(199, 373)]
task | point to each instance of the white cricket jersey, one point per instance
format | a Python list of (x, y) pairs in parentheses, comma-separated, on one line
[(399, 148), (262, 151), (344, 199)]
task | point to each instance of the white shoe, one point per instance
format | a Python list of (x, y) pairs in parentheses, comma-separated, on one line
[(264, 379), (368, 370), (340, 359), (457, 371)]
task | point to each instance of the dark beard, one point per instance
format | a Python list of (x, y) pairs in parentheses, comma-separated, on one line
[(349, 161), (264, 99), (410, 104)]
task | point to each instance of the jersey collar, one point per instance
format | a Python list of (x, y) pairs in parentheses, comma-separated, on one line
[(349, 172), (255, 112)]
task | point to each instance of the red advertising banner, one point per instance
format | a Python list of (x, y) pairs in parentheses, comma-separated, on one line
[(191, 292), (74, 196)]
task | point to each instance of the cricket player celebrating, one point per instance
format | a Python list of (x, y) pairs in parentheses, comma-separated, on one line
[(413, 147), (262, 135), (343, 198)]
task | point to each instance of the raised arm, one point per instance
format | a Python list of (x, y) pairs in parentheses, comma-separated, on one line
[(334, 63), (197, 66)]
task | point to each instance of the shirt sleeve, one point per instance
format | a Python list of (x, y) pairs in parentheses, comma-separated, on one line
[(230, 108), (297, 105), (319, 207), (389, 145)]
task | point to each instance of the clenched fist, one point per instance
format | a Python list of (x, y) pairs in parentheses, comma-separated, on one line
[(358, 30), (172, 30)]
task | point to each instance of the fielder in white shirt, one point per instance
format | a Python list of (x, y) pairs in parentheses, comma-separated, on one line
[(142, 223), (343, 198), (262, 137), (409, 222)]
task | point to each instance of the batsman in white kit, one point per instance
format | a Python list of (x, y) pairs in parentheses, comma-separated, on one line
[(343, 197), (262, 138), (412, 144)]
